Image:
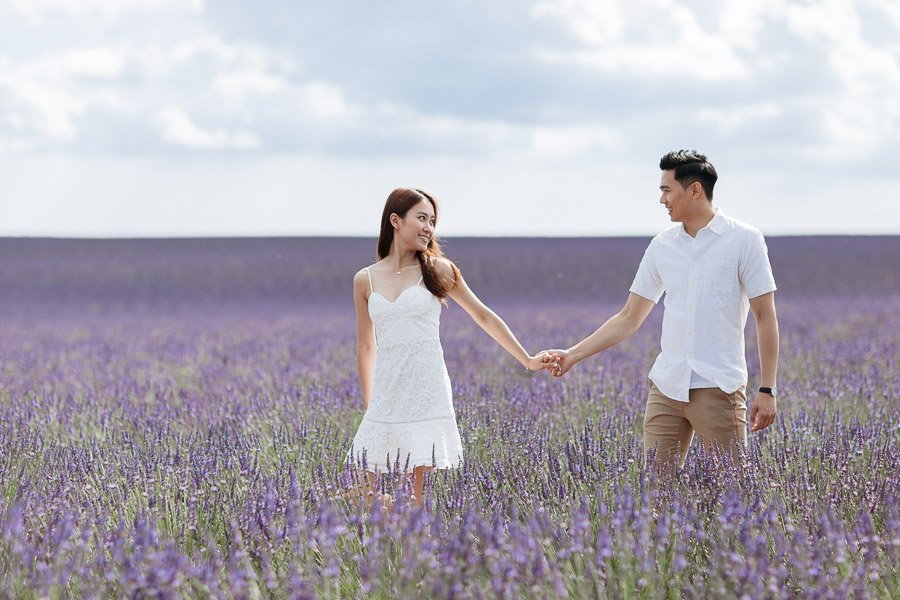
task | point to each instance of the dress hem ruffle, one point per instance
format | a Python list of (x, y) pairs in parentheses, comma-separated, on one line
[(382, 468)]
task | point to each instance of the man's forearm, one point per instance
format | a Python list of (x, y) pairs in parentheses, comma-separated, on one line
[(613, 331), (767, 340)]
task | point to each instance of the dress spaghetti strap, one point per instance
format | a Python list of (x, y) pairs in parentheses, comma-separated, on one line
[(371, 287)]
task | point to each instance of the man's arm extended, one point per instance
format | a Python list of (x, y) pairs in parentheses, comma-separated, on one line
[(614, 330)]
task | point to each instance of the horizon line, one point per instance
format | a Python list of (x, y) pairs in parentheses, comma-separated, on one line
[(375, 236)]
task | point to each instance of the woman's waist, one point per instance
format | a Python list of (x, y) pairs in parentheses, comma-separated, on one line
[(419, 339)]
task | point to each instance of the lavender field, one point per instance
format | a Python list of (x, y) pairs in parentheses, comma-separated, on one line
[(175, 412)]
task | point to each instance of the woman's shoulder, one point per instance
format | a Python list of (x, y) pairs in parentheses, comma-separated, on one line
[(361, 277)]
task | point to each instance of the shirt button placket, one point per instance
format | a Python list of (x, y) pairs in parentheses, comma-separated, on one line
[(692, 302)]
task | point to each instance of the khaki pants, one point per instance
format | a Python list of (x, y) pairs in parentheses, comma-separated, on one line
[(719, 420)]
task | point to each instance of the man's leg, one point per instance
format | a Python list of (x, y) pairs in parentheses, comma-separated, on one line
[(720, 420), (667, 431)]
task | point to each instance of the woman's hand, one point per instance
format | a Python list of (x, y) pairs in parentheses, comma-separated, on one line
[(541, 360)]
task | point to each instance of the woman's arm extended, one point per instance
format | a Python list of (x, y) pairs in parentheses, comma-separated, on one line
[(488, 320)]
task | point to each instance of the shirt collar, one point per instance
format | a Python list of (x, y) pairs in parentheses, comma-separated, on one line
[(717, 224)]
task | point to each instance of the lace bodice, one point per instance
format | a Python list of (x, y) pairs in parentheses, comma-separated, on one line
[(413, 317)]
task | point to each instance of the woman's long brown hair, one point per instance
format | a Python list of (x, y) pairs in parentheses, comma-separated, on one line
[(400, 201)]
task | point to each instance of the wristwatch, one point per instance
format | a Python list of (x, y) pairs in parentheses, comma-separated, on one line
[(772, 391)]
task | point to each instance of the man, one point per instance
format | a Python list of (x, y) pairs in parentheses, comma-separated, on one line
[(712, 269)]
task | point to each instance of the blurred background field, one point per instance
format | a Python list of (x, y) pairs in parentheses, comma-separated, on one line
[(175, 412), (41, 277)]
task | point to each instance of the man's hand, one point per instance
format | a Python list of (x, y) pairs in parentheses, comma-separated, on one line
[(763, 412)]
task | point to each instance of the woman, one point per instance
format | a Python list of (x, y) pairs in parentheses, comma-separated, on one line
[(409, 415)]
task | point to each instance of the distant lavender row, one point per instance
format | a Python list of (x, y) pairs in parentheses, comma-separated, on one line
[(147, 276)]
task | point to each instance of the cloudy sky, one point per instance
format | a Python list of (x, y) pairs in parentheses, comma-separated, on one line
[(543, 117)]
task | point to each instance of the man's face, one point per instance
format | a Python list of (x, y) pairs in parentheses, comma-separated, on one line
[(675, 198)]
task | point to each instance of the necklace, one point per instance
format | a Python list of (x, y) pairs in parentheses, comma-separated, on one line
[(399, 270)]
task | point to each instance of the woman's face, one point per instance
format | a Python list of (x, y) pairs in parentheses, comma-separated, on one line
[(416, 229)]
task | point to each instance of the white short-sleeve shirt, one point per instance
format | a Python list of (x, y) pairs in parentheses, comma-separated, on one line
[(708, 281)]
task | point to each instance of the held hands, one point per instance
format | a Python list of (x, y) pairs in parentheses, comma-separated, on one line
[(557, 361), (538, 362)]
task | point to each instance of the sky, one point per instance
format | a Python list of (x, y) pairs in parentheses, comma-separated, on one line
[(158, 118)]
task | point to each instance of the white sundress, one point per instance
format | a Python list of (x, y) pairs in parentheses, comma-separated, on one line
[(411, 411)]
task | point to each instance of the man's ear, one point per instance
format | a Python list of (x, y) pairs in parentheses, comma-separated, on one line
[(696, 189)]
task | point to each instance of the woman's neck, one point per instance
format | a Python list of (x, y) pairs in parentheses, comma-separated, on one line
[(400, 259)]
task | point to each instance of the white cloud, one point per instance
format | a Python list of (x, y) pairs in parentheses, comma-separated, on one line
[(244, 82), (231, 84), (742, 21), (660, 38), (569, 141), (594, 23), (177, 128), (889, 8), (828, 20), (323, 99), (95, 63), (864, 113), (729, 119), (455, 136), (27, 103), (450, 133), (38, 11), (48, 94), (855, 107), (210, 45)]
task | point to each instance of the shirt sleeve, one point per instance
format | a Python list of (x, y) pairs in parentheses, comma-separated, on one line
[(755, 272), (647, 282)]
